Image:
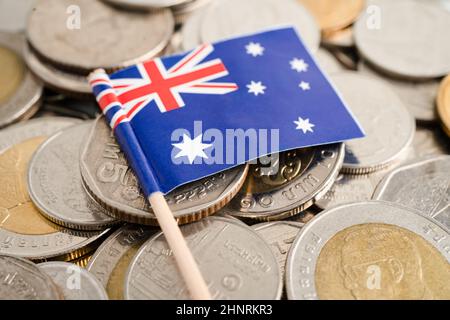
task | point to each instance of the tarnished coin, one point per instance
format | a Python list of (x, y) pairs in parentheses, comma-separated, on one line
[(334, 14), (55, 185), (235, 261), (303, 176), (112, 183), (228, 18), (418, 96), (20, 92), (24, 231), (368, 251), (443, 104), (388, 125), (279, 235), (111, 260), (406, 38), (81, 41), (23, 280), (75, 282), (423, 185)]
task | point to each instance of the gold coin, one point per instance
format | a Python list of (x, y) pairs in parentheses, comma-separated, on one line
[(17, 213), (83, 260), (334, 14), (443, 104), (12, 73), (381, 261)]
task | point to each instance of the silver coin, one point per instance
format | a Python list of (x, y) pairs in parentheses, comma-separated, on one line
[(14, 14), (406, 38), (190, 31), (279, 235), (23, 280), (418, 96), (75, 282), (112, 183), (55, 185), (235, 261), (344, 250), (351, 188), (423, 185), (229, 18), (147, 4), (429, 142), (79, 41), (388, 125), (45, 126), (303, 176), (25, 99), (111, 260), (327, 61), (183, 12), (56, 79)]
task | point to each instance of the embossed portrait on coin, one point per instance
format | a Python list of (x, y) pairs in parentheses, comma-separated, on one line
[(377, 261)]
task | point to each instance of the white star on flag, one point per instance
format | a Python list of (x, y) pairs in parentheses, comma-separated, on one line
[(254, 49), (304, 86), (299, 65), (256, 88), (304, 125), (191, 148)]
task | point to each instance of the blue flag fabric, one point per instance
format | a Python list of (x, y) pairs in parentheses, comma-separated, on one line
[(180, 118)]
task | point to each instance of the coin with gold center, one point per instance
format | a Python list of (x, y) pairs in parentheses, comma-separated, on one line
[(443, 104)]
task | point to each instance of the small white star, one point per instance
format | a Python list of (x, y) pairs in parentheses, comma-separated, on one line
[(299, 65), (256, 88), (304, 125), (254, 49), (192, 148), (304, 86)]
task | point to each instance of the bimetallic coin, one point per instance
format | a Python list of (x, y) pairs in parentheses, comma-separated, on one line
[(443, 104), (418, 96), (112, 183), (55, 184), (80, 42), (302, 177), (368, 251), (387, 123), (23, 280), (279, 235), (74, 282), (111, 260), (24, 231), (334, 14), (228, 18), (423, 185), (235, 261), (21, 92), (406, 38)]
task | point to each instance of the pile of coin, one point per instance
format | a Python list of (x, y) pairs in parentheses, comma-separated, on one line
[(364, 219)]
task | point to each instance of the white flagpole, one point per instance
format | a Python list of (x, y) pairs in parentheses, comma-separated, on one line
[(186, 263)]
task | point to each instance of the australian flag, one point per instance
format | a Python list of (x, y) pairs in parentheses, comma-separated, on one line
[(177, 118)]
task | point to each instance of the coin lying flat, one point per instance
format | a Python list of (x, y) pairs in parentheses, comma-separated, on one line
[(429, 142), (234, 260), (279, 235), (418, 96), (418, 49), (111, 260), (384, 119), (74, 282), (228, 18), (423, 185), (112, 183), (303, 176), (80, 42), (55, 185), (443, 103), (21, 91), (334, 14), (369, 250), (24, 231), (23, 280)]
